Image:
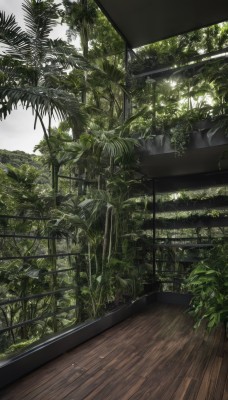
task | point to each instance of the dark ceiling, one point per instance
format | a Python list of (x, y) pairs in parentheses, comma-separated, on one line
[(140, 22)]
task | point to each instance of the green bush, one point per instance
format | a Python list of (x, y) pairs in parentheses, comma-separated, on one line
[(208, 283)]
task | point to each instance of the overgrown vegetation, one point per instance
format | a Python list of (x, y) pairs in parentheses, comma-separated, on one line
[(208, 283), (72, 239), (185, 86)]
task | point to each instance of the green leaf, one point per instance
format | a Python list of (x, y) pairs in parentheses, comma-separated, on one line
[(32, 273)]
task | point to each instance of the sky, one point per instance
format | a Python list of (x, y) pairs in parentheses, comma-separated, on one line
[(17, 130)]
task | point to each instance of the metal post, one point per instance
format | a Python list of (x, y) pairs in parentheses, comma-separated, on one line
[(154, 227), (126, 110)]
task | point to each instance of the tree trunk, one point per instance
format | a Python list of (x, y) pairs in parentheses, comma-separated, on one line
[(52, 252), (110, 235), (55, 182), (154, 104), (85, 48), (78, 299), (89, 265), (106, 236)]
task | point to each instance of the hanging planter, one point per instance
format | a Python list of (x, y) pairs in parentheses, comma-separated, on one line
[(190, 222), (191, 204)]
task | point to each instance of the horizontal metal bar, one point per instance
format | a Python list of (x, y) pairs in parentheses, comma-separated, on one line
[(188, 245), (173, 70), (192, 238), (11, 235), (35, 296), (75, 179), (24, 217), (172, 274), (58, 271), (31, 321), (187, 260), (210, 55), (37, 257), (170, 281)]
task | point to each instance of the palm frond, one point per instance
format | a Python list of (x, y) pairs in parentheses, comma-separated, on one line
[(10, 172), (61, 53), (13, 36), (64, 222), (127, 124), (43, 101), (92, 208), (113, 73), (115, 146), (16, 71), (40, 18), (118, 147), (110, 74)]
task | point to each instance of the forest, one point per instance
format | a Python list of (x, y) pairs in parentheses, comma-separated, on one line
[(75, 230)]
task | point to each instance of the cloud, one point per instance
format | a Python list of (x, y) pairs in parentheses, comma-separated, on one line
[(13, 7), (17, 131)]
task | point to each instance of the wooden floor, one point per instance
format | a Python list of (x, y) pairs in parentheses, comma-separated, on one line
[(154, 355)]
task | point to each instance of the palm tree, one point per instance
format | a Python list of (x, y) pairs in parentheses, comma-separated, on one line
[(80, 16), (33, 67), (33, 71)]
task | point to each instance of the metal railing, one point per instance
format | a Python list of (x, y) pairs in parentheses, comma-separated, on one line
[(15, 312)]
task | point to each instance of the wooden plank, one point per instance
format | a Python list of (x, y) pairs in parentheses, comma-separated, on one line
[(151, 356)]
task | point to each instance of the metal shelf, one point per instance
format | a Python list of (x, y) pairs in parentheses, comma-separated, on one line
[(187, 245)]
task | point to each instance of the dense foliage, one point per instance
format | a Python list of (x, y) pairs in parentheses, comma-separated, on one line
[(184, 79), (18, 158), (209, 284), (71, 222)]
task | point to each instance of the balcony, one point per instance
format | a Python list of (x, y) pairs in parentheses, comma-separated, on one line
[(153, 355)]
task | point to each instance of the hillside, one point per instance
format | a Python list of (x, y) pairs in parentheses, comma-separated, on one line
[(17, 158)]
